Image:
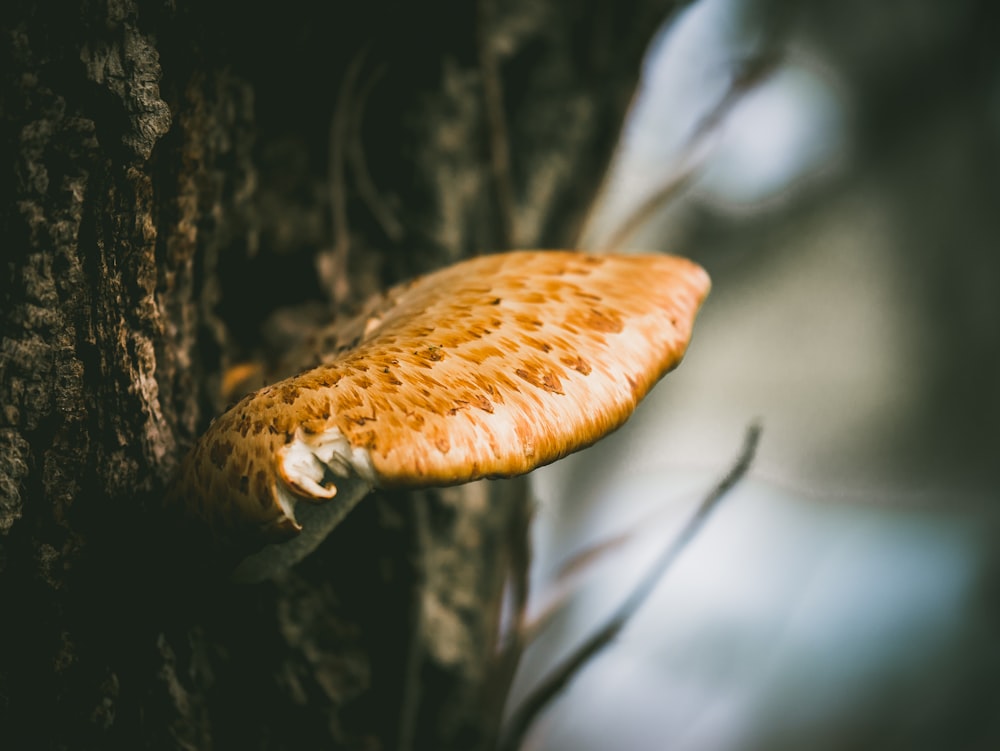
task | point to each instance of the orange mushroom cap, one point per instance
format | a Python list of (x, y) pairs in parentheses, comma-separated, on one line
[(488, 368)]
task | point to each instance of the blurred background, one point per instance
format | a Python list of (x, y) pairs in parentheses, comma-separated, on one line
[(846, 205)]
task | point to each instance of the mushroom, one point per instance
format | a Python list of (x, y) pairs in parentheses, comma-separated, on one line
[(488, 368)]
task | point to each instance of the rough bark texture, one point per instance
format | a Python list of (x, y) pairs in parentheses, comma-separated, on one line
[(175, 200)]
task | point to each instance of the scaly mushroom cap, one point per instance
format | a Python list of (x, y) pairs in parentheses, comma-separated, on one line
[(488, 368)]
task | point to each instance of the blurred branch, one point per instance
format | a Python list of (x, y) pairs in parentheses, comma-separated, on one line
[(339, 132), (550, 687), (566, 580), (508, 657), (412, 688), (496, 119), (749, 75), (367, 189)]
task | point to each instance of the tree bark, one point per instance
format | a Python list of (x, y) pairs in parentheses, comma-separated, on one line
[(188, 186)]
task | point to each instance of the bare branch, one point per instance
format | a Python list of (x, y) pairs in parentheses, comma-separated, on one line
[(367, 189), (339, 131), (496, 120), (551, 686), (751, 74)]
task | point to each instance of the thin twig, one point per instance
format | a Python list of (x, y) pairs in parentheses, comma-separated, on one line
[(409, 708), (496, 122), (652, 204), (508, 656), (339, 129), (519, 535), (751, 74), (566, 578), (539, 699), (367, 189)]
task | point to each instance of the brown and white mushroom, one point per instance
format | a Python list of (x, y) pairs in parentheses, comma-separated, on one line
[(488, 368)]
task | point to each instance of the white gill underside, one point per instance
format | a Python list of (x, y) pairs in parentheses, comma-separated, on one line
[(322, 477)]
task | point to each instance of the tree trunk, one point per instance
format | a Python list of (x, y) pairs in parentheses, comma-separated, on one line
[(191, 187)]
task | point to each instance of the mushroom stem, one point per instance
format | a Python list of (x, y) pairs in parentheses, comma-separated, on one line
[(322, 477), (317, 521)]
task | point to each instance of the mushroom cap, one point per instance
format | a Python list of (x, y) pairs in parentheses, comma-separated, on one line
[(488, 368)]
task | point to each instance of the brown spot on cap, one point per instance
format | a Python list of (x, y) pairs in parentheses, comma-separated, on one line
[(219, 452), (260, 487), (288, 393), (603, 320), (544, 380), (483, 403), (577, 363)]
